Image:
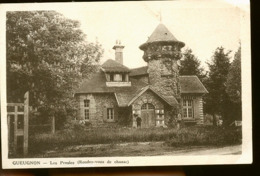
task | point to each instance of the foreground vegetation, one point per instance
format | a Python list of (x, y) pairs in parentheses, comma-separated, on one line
[(187, 136)]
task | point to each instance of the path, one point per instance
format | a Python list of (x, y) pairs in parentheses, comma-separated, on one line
[(141, 149), (228, 150)]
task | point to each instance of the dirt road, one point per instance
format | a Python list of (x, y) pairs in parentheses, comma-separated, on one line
[(228, 150), (140, 149)]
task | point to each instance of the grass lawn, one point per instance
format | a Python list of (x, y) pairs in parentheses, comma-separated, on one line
[(68, 140)]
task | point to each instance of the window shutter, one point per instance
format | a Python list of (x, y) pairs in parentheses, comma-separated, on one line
[(104, 114)]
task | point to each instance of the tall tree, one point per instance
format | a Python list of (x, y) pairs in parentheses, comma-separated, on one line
[(233, 86), (48, 55), (217, 101), (190, 65)]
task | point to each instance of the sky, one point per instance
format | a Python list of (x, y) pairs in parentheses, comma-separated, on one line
[(201, 25)]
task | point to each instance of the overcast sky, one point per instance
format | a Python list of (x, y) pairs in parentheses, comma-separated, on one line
[(201, 25)]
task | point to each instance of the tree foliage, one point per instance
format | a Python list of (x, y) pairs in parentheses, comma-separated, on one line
[(234, 78), (233, 86), (217, 100), (48, 55), (190, 65)]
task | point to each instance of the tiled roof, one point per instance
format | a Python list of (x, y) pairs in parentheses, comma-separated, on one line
[(139, 71), (97, 84), (161, 34), (114, 66), (188, 84), (191, 84)]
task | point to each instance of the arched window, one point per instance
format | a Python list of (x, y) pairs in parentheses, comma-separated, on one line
[(147, 106)]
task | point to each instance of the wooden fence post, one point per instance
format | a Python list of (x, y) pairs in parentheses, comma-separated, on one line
[(26, 123), (15, 128)]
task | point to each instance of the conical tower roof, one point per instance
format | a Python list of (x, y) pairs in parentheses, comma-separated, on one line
[(161, 34)]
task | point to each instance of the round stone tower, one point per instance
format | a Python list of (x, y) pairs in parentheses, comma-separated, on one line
[(162, 52)]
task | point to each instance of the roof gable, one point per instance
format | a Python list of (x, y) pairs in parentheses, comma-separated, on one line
[(169, 100), (114, 66)]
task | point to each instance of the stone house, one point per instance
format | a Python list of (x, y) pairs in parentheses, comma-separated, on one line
[(156, 93)]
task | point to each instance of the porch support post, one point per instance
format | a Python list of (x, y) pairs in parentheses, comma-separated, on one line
[(134, 112)]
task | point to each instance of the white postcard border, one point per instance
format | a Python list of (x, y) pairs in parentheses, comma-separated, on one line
[(244, 158)]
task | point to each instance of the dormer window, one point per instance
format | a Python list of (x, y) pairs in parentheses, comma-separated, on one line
[(111, 77), (124, 77), (117, 79)]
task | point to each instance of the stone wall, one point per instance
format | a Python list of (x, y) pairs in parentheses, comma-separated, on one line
[(198, 109), (164, 76), (98, 108), (163, 68)]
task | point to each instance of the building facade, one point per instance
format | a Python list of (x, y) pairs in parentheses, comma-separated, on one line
[(151, 96)]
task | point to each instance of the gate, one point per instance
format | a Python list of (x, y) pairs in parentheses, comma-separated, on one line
[(18, 121)]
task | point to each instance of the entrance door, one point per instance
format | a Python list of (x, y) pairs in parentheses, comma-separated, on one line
[(147, 115)]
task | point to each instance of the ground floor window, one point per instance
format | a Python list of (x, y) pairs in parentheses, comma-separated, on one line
[(86, 104), (110, 114), (86, 114), (159, 117), (187, 109)]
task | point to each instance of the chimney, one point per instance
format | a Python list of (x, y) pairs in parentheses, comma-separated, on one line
[(119, 52)]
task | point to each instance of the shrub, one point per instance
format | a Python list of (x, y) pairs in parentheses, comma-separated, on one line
[(206, 136)]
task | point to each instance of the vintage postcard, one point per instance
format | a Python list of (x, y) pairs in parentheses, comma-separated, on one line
[(105, 84)]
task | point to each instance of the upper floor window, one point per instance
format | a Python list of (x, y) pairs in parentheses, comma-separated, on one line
[(187, 109), (124, 77), (111, 77), (86, 103), (117, 77)]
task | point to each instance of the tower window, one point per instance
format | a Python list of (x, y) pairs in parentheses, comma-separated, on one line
[(86, 103), (110, 114)]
